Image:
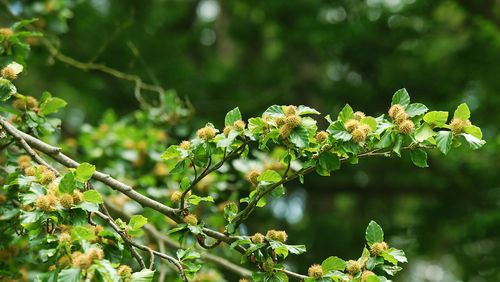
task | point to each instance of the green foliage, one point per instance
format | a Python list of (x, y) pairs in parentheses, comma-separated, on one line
[(45, 208)]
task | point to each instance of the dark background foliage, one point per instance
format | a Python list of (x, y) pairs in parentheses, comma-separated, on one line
[(252, 54)]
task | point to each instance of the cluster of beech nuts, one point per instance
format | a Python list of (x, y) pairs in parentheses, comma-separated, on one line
[(401, 119), (358, 130), (353, 267), (206, 133), (275, 235), (290, 121), (45, 176)]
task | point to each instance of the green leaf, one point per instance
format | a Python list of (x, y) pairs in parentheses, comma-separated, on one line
[(374, 233), (137, 221), (269, 176), (84, 172), (436, 118), (473, 142), (424, 132), (338, 132), (304, 110), (195, 200), (401, 97), (296, 249), (92, 196), (232, 116), (419, 158), (299, 137), (67, 184), (329, 161), (333, 263), (274, 110), (7, 89), (346, 113), (82, 233), (172, 152), (474, 131), (51, 104), (462, 112), (416, 109), (69, 275), (444, 140), (370, 121), (145, 275), (399, 255)]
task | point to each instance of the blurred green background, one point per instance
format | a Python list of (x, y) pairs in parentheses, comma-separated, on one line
[(252, 54)]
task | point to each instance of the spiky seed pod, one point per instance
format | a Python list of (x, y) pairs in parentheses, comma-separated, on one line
[(321, 136), (293, 121), (406, 127), (400, 117), (52, 188), (206, 133), (353, 267), (257, 238), (47, 176), (394, 110), (24, 161), (176, 196), (351, 125), (124, 270), (9, 73), (191, 219), (366, 274), (252, 177), (43, 203), (66, 200), (53, 200), (6, 32), (276, 235), (359, 115), (80, 260), (280, 121), (315, 271), (239, 124), (30, 171), (358, 135), (290, 110), (227, 130), (457, 125), (65, 237), (365, 128), (285, 131), (268, 265), (378, 248), (31, 102), (19, 104), (77, 196), (96, 253), (185, 145)]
